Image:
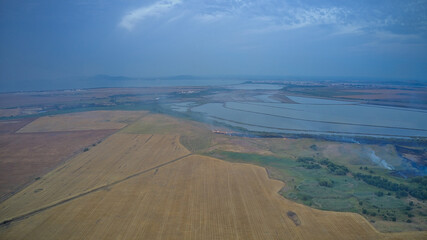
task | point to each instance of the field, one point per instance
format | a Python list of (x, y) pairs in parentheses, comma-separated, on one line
[(31, 147), (385, 93), (280, 157), (115, 158), (21, 104), (79, 96), (193, 198), (94, 120), (141, 183), (24, 157)]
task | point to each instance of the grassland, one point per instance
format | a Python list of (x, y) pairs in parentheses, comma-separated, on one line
[(345, 193), (141, 183), (388, 212), (280, 157)]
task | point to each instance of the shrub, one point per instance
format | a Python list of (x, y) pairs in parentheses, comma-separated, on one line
[(311, 166), (305, 159), (334, 168), (379, 194), (326, 183)]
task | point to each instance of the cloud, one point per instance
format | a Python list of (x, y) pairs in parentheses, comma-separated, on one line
[(295, 18), (213, 17), (315, 16), (347, 29), (133, 17)]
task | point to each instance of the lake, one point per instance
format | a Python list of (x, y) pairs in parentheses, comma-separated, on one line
[(318, 116)]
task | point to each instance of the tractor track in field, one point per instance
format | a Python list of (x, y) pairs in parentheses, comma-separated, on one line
[(103, 187)]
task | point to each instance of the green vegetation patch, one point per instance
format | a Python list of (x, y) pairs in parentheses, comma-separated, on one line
[(196, 143), (330, 187), (146, 126), (417, 189), (262, 160)]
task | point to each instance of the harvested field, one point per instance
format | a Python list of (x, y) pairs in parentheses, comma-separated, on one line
[(11, 126), (195, 136), (10, 112), (26, 156), (145, 186), (115, 158), (193, 198), (43, 143), (95, 120), (67, 97)]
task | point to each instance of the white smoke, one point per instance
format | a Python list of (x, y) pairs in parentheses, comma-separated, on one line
[(379, 161)]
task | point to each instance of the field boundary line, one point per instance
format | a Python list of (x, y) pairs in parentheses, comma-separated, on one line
[(31, 213), (59, 164)]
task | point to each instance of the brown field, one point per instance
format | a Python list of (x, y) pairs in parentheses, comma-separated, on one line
[(11, 126), (115, 158), (49, 98), (24, 157), (94, 120), (44, 143), (10, 112), (148, 186), (386, 94)]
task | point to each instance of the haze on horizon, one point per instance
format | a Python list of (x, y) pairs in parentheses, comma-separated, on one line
[(56, 40)]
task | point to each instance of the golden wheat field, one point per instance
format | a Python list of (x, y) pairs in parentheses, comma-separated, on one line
[(95, 120), (148, 186), (115, 158), (26, 156)]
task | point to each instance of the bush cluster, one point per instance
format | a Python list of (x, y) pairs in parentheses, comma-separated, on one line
[(334, 168), (418, 191)]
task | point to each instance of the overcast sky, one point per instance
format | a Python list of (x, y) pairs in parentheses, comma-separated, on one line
[(48, 39)]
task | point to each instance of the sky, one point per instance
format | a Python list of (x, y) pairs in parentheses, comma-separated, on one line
[(51, 39)]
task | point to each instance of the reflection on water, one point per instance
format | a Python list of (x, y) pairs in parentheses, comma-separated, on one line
[(256, 86), (319, 116), (182, 106), (317, 101), (266, 98)]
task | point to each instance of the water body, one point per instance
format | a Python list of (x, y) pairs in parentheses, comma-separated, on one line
[(266, 98), (317, 101), (319, 116), (56, 84), (256, 86), (182, 106)]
